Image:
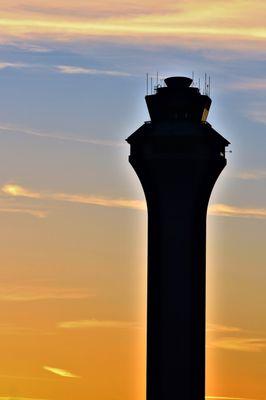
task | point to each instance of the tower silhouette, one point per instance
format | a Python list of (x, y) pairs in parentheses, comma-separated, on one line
[(177, 156)]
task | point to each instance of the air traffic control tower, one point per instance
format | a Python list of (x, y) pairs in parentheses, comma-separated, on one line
[(178, 157)]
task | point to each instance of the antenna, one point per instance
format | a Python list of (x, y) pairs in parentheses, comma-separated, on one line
[(157, 79), (151, 86), (192, 78), (199, 84), (205, 84), (147, 84)]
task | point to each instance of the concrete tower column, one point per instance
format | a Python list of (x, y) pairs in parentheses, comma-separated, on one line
[(177, 156)]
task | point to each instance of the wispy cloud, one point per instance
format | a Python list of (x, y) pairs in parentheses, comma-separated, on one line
[(94, 323), (5, 65), (253, 175), (19, 191), (253, 345), (99, 201), (33, 48), (73, 70), (61, 372), (225, 210), (225, 337), (197, 24), (249, 84), (257, 113), (25, 293), (227, 398), (27, 211), (9, 206), (217, 328), (18, 398), (62, 69), (26, 378), (11, 129), (14, 330)]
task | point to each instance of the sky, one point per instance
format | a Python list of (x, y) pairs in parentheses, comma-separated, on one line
[(72, 211)]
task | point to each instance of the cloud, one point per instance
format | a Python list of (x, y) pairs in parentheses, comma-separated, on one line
[(14, 330), (72, 70), (187, 23), (99, 201), (94, 323), (257, 114), (34, 48), (18, 398), (62, 69), (217, 328), (249, 84), (19, 191), (28, 211), (222, 210), (252, 175), (25, 293), (12, 206), (225, 337), (225, 210), (5, 65), (93, 9), (10, 129), (60, 372), (227, 398), (25, 378), (253, 345)]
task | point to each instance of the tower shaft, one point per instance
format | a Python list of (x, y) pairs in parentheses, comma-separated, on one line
[(178, 157), (177, 193)]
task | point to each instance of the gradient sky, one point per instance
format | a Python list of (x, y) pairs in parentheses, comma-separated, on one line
[(73, 221)]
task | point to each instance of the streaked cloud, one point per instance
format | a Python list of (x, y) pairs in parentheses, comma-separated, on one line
[(217, 328), (12, 206), (72, 70), (15, 330), (61, 372), (93, 9), (62, 69), (225, 337), (225, 210), (197, 24), (5, 65), (253, 175), (11, 129), (99, 201), (17, 191), (94, 323), (18, 398), (27, 211), (253, 345), (249, 84), (27, 378), (33, 48), (25, 293), (227, 398), (257, 113)]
